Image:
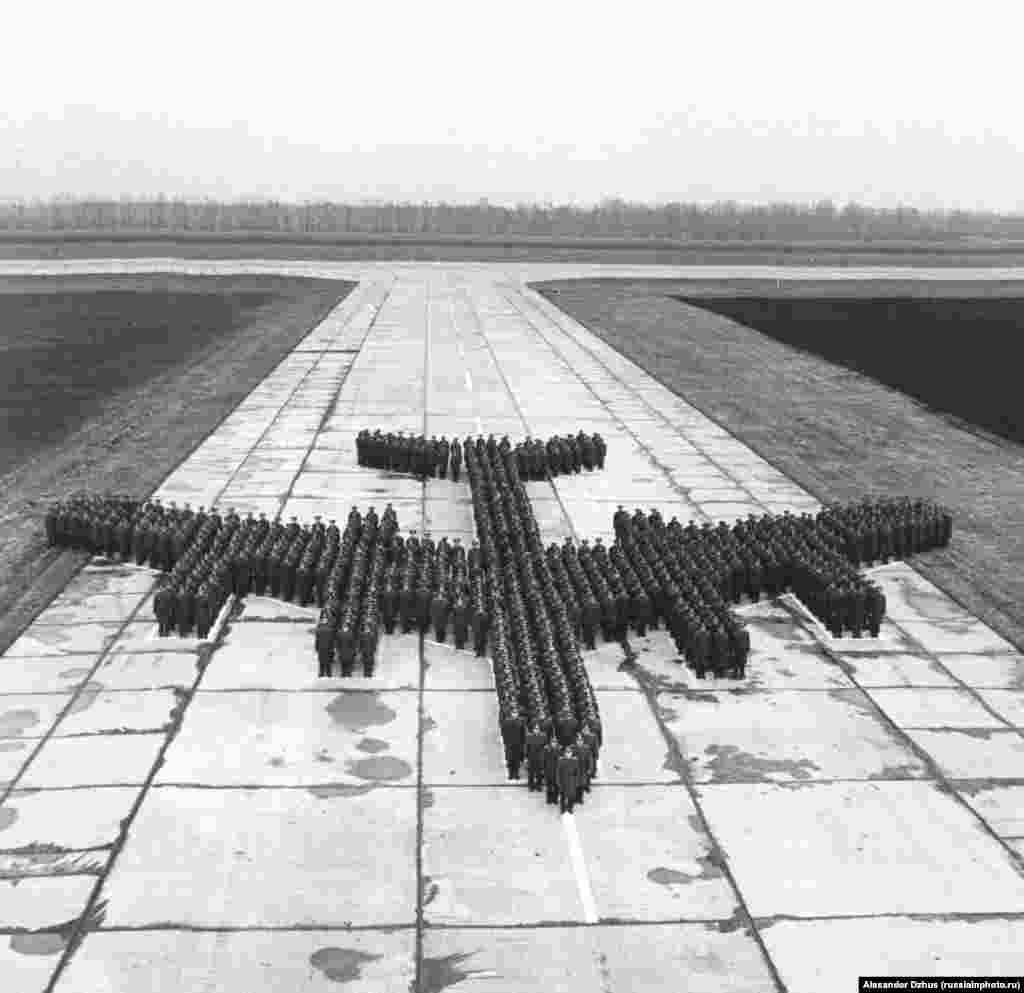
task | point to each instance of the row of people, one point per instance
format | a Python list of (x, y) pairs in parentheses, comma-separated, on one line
[(433, 456), (544, 692)]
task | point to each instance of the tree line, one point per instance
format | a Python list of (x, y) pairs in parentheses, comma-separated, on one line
[(611, 219)]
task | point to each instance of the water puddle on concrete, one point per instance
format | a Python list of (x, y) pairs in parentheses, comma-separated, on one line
[(380, 767), (357, 711), (341, 965)]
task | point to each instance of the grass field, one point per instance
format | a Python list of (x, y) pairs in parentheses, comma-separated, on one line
[(955, 355), (835, 431), (110, 382), (434, 248)]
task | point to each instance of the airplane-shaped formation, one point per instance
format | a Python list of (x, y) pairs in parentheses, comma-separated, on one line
[(531, 606)]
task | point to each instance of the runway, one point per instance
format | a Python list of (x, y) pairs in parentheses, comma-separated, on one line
[(214, 816)]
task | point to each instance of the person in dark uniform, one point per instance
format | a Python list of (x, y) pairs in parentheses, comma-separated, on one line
[(456, 459), (535, 742)]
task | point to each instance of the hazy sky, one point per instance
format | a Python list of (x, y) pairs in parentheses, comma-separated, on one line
[(881, 103)]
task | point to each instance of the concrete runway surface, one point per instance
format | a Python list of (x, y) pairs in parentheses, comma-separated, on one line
[(216, 817)]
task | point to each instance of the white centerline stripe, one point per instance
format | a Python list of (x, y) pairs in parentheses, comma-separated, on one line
[(579, 868)]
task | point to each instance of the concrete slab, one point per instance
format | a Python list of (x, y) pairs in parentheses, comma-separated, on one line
[(955, 636), (121, 760), (633, 749), (14, 753), (1005, 672), (892, 669), (122, 670), (976, 753), (495, 856), (462, 741), (829, 955), (43, 902), (785, 736), (444, 516), (15, 866), (76, 609), (48, 675), (642, 959), (31, 715), (144, 636), (1001, 804), (859, 849), (934, 708), (268, 858), (97, 711), (910, 597), (1008, 704), (449, 668), (304, 962), (295, 739), (47, 641), (281, 656), (648, 857), (75, 819)]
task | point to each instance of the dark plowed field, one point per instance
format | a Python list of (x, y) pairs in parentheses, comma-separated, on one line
[(64, 355), (111, 381), (958, 356)]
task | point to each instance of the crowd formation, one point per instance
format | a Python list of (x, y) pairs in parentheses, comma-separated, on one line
[(690, 576), (529, 607), (548, 710), (206, 557), (534, 459)]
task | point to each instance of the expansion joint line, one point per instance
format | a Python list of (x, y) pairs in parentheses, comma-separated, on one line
[(94, 908)]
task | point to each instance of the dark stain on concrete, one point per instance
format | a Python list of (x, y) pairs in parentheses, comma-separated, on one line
[(78, 672), (86, 697), (732, 765), (711, 867), (701, 696), (380, 767), (341, 965), (372, 746), (982, 734), (428, 891), (667, 877), (37, 943), (339, 791), (737, 922), (324, 756), (8, 815), (357, 711), (12, 746), (426, 798), (276, 762), (438, 974), (14, 723), (429, 724), (901, 770)]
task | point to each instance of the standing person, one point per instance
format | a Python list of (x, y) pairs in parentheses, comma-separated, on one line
[(443, 454), (456, 459)]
